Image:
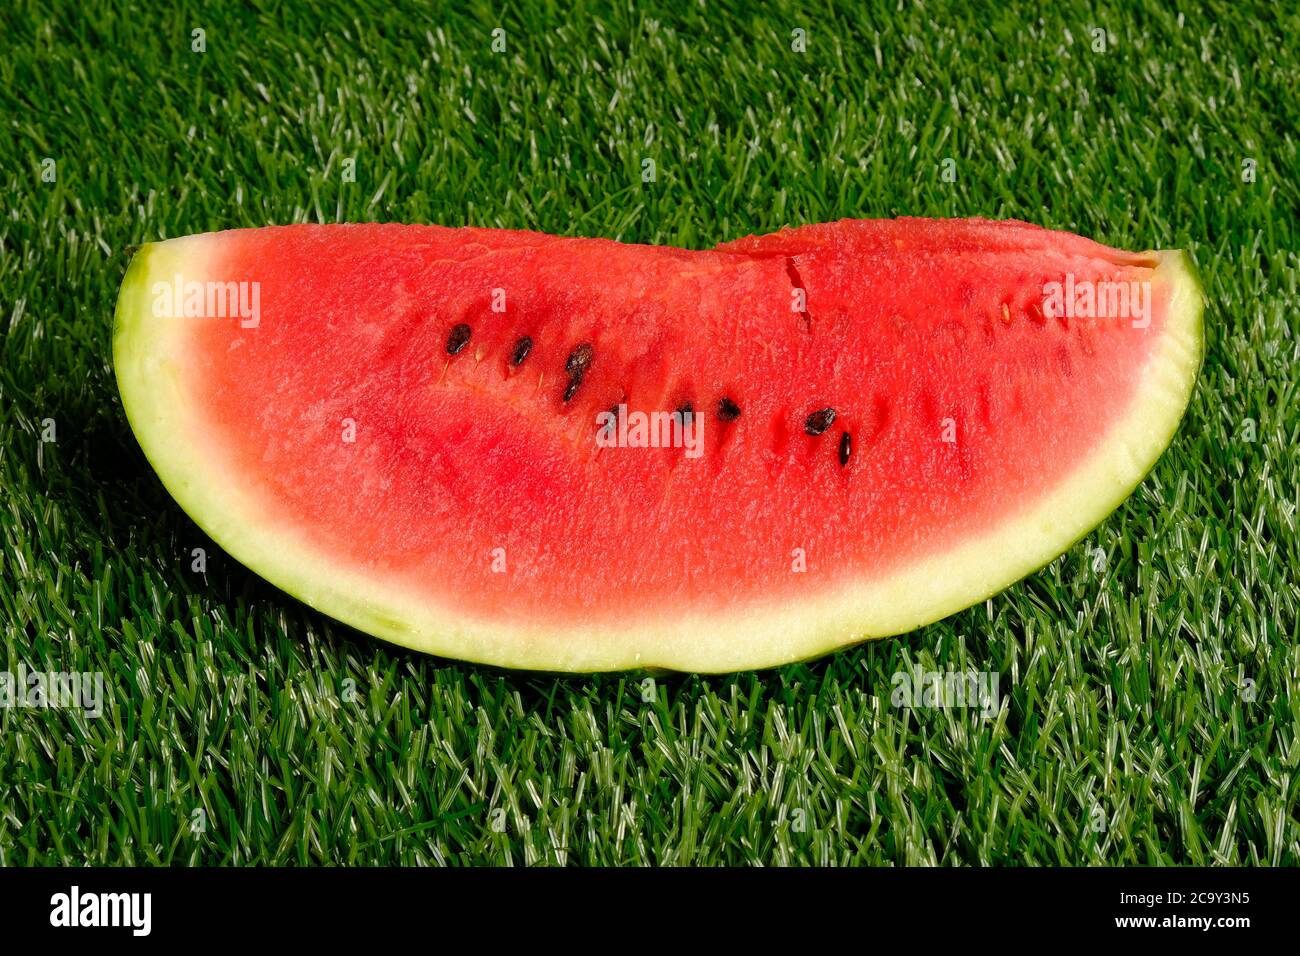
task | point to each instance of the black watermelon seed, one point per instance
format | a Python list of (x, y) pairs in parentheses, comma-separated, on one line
[(579, 360), (818, 422), (846, 448), (728, 410), (576, 365), (686, 412), (458, 339), (522, 348)]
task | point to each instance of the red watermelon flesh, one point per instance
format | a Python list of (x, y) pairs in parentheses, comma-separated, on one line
[(408, 436)]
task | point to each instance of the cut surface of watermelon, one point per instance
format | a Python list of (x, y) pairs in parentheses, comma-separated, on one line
[(435, 434)]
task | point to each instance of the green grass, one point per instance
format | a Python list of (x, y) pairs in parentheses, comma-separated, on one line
[(1149, 713)]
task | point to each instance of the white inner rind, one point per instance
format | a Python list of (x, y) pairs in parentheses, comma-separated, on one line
[(146, 350)]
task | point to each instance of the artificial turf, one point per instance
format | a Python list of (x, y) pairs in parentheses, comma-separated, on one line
[(1147, 674)]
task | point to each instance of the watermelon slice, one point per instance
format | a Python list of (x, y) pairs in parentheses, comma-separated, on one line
[(576, 454)]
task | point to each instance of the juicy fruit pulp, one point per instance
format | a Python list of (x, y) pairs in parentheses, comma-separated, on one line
[(894, 419)]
